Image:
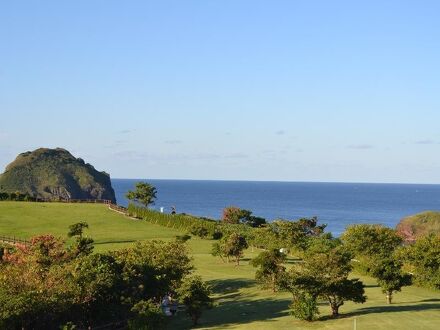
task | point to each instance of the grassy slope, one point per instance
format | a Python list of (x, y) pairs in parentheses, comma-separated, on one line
[(109, 229), (241, 304)]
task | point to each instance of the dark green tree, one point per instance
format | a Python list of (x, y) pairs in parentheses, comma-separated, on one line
[(270, 268), (83, 245), (218, 251), (77, 229), (325, 275), (235, 215), (144, 194), (304, 306), (233, 246), (366, 240), (194, 294), (423, 259), (147, 316), (199, 230), (296, 234), (254, 221), (390, 277)]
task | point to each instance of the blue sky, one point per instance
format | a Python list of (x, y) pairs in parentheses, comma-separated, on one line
[(249, 90)]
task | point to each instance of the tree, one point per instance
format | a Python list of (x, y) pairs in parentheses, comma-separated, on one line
[(77, 229), (390, 276), (304, 306), (153, 269), (296, 234), (270, 268), (199, 229), (147, 316), (370, 240), (234, 245), (83, 245), (234, 215), (43, 286), (194, 294), (218, 251), (423, 259), (325, 275), (254, 221), (144, 194)]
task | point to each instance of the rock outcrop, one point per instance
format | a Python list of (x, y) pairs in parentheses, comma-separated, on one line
[(55, 174)]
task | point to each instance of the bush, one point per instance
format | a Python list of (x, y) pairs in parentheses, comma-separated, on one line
[(217, 235), (147, 316), (199, 230), (194, 294), (304, 306)]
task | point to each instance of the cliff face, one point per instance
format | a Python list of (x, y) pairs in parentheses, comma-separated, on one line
[(55, 174), (413, 227)]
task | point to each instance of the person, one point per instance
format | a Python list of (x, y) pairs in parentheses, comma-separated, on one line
[(173, 306), (166, 305), (173, 210)]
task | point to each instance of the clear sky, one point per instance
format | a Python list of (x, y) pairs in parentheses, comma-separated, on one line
[(228, 89)]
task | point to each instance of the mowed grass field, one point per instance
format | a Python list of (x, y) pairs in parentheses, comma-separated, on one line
[(240, 303)]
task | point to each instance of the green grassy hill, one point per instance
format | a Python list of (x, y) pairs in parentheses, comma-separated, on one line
[(241, 304)]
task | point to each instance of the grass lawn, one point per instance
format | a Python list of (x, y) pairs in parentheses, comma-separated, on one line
[(109, 229), (240, 303)]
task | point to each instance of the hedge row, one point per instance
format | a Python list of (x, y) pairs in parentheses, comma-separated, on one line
[(182, 222)]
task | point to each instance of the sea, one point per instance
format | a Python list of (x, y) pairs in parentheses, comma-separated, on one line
[(335, 204)]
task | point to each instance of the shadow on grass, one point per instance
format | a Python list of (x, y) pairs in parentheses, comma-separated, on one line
[(394, 308), (230, 313), (230, 285), (231, 308)]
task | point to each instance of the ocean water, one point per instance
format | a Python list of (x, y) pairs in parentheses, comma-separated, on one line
[(336, 204)]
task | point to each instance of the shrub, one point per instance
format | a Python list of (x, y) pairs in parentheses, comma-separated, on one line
[(147, 316), (304, 306), (199, 230)]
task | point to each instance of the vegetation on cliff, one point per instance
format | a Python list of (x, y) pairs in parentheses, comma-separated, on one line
[(420, 225), (55, 174)]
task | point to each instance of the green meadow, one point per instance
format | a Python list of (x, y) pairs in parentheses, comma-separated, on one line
[(240, 303)]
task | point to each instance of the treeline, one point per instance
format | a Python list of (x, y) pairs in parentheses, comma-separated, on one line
[(16, 196), (48, 286), (293, 235), (325, 263), (323, 273)]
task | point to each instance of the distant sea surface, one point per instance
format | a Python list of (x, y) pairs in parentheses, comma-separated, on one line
[(336, 204)]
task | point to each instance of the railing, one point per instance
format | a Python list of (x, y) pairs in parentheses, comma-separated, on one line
[(48, 200), (14, 240), (96, 201), (117, 208)]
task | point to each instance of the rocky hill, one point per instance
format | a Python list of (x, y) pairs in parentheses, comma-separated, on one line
[(419, 225), (55, 174)]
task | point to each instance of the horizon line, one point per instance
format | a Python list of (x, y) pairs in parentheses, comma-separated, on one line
[(280, 181)]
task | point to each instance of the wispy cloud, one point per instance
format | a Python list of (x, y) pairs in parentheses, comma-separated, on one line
[(125, 131), (360, 146), (427, 141), (237, 155), (280, 132), (131, 154)]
